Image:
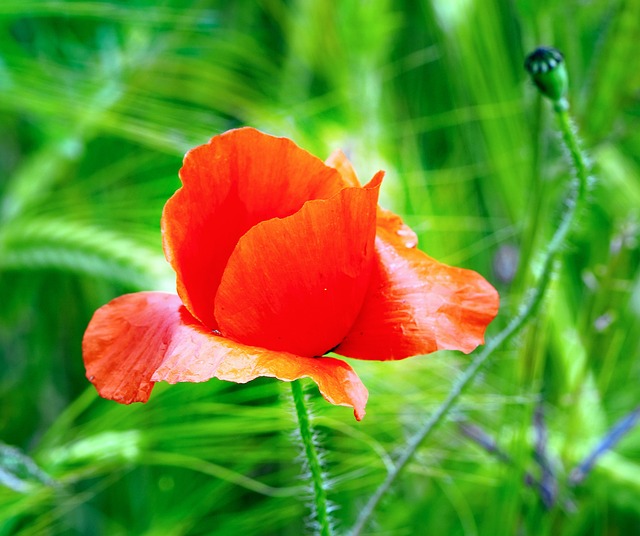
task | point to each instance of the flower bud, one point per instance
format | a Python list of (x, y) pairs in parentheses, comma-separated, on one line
[(547, 69)]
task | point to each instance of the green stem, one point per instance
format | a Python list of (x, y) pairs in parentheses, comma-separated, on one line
[(306, 435), (575, 199)]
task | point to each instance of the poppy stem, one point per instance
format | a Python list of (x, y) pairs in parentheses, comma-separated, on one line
[(575, 199), (313, 460)]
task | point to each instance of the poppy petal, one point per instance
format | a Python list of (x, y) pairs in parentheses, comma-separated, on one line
[(139, 339), (416, 305), (230, 184), (126, 341), (400, 233), (393, 230), (338, 160), (297, 284), (239, 363)]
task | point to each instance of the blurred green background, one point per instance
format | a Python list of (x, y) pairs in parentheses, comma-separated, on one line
[(99, 101)]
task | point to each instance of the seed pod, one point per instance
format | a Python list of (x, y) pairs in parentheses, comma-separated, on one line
[(547, 69)]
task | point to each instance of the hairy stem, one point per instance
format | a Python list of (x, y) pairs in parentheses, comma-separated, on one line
[(575, 198), (313, 461)]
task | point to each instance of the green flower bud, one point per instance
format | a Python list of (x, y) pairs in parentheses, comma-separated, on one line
[(547, 69)]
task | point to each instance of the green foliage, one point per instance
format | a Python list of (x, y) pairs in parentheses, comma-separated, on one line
[(98, 103)]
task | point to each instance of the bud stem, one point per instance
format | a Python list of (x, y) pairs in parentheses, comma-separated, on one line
[(575, 199)]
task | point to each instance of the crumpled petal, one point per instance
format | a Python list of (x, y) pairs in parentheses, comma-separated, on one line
[(297, 284), (416, 305), (139, 339), (230, 184)]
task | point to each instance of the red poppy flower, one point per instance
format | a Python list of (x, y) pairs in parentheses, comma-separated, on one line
[(280, 259)]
